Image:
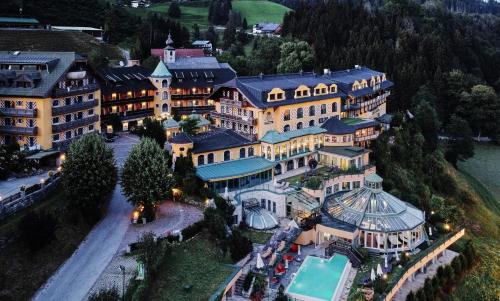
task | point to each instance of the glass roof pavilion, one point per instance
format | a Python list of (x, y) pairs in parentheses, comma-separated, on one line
[(372, 209)]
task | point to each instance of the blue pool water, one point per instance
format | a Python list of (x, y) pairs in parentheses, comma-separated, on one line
[(318, 278)]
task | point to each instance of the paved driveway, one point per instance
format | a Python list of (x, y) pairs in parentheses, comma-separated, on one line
[(78, 274)]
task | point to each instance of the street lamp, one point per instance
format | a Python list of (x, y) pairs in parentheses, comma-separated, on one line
[(122, 269)]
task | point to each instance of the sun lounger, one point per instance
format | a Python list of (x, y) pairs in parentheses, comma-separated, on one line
[(273, 260), (281, 246), (266, 252)]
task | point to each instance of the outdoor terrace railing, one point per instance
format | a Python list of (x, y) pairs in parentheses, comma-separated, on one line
[(84, 105), (76, 89), (13, 112), (18, 130), (418, 260), (56, 128)]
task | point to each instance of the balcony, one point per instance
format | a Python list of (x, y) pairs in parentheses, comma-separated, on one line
[(193, 109), (12, 112), (75, 107), (17, 130), (366, 137), (137, 114), (56, 128), (72, 90), (249, 120), (230, 102), (125, 101), (188, 96)]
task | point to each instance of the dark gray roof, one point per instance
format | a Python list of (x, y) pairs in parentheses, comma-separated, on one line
[(345, 151), (255, 88), (201, 72), (212, 140), (58, 64), (337, 126), (123, 79)]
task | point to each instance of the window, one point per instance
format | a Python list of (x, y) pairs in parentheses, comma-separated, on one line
[(274, 207), (227, 155), (201, 160), (91, 96), (272, 96), (334, 107), (356, 184), (55, 137), (55, 102), (311, 123), (279, 95), (312, 111), (323, 109), (210, 158), (31, 105), (31, 123), (55, 120), (79, 115), (68, 135), (300, 113), (67, 118), (90, 112), (250, 151), (91, 127), (19, 103), (242, 152), (164, 107), (286, 128), (67, 101), (333, 89), (286, 115), (79, 131), (299, 125), (164, 95), (263, 203), (79, 99), (328, 190)]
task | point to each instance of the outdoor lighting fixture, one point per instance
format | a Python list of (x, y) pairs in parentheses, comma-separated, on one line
[(63, 157), (136, 214), (42, 181), (59, 168), (432, 212), (447, 227), (385, 276)]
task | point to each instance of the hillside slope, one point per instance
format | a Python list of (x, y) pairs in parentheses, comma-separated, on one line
[(44, 40), (260, 11)]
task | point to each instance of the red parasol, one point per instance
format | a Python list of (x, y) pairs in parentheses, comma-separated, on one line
[(294, 248), (280, 268)]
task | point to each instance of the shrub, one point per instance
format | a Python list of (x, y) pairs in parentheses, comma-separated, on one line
[(239, 245), (248, 281), (379, 285), (192, 230), (172, 238), (105, 294), (313, 183), (37, 229)]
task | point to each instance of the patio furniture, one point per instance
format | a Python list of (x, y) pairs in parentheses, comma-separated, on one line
[(266, 253), (273, 259), (281, 246)]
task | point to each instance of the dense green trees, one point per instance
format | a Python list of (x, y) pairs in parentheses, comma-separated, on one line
[(152, 128), (88, 175), (174, 10), (218, 12), (146, 179), (37, 229), (295, 56), (189, 125), (459, 144)]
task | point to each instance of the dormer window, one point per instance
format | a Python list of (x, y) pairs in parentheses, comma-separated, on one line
[(333, 88), (302, 91), (276, 94), (320, 89)]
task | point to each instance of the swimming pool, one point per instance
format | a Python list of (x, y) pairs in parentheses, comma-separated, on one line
[(319, 279)]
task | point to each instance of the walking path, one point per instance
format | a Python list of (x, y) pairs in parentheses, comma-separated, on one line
[(96, 257), (419, 279)]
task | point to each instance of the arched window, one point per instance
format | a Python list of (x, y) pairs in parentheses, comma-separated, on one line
[(227, 155), (164, 95), (242, 152), (334, 107), (210, 158), (311, 123), (323, 109), (312, 111), (201, 160), (299, 125), (250, 151), (164, 107), (300, 113), (286, 128), (164, 83)]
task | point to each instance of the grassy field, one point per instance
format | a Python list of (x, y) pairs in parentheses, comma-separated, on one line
[(260, 11), (196, 12), (23, 272), (196, 262), (258, 237), (481, 176)]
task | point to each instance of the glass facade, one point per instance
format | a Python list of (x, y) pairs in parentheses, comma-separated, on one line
[(242, 182)]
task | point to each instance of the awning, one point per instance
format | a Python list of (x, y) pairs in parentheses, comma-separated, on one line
[(234, 168), (42, 155)]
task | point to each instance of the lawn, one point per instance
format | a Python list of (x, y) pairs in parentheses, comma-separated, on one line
[(258, 237), (23, 272), (195, 12), (260, 11), (192, 12), (196, 262), (481, 175)]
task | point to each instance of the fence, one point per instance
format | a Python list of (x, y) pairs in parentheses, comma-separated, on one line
[(28, 196)]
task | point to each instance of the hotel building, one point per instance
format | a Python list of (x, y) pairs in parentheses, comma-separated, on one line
[(273, 126), (47, 99)]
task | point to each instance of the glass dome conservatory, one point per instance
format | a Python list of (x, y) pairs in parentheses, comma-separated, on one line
[(385, 222)]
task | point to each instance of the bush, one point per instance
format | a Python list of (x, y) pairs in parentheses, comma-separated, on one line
[(239, 245), (191, 230), (172, 238), (313, 183), (105, 294), (37, 229), (379, 285), (248, 281)]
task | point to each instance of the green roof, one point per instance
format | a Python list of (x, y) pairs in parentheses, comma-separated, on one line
[(345, 151), (19, 20), (373, 178), (201, 121), (161, 71), (234, 168), (275, 137)]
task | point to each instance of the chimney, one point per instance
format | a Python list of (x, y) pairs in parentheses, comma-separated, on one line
[(326, 71), (261, 75), (357, 67)]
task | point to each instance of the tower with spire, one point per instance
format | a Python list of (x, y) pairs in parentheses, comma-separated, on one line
[(169, 51)]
